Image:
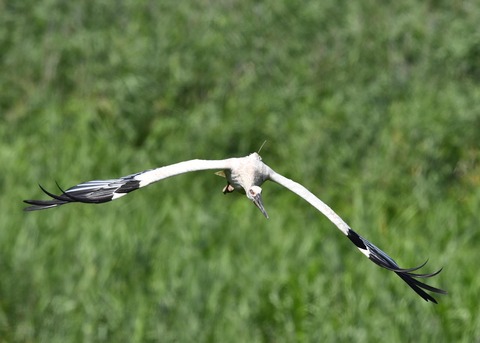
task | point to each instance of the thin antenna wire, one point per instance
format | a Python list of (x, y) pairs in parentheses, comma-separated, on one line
[(265, 141)]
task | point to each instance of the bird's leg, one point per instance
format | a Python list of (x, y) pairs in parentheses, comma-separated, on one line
[(228, 188)]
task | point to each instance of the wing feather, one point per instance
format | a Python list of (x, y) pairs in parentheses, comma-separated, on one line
[(374, 253), (100, 191)]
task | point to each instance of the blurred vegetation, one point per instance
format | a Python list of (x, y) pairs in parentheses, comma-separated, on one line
[(373, 105)]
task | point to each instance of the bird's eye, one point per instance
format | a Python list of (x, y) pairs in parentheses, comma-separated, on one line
[(252, 192)]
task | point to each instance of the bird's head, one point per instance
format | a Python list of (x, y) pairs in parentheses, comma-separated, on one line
[(255, 194)]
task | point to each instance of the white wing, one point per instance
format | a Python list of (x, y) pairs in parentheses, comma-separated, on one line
[(368, 249), (99, 191)]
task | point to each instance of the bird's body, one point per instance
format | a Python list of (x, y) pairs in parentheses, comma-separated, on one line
[(243, 174), (247, 172)]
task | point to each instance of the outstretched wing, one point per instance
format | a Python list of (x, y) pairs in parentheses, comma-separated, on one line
[(100, 191), (368, 249)]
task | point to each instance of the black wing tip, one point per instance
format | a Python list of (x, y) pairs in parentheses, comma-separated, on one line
[(380, 258), (410, 278), (57, 200), (105, 192), (419, 287), (41, 204)]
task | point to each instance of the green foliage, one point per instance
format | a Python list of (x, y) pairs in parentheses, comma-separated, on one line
[(374, 106)]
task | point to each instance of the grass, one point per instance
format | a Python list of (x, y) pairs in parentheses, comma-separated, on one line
[(373, 106)]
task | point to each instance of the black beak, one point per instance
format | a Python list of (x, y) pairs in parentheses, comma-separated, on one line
[(257, 200)]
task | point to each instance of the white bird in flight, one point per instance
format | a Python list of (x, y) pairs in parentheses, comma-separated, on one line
[(244, 174)]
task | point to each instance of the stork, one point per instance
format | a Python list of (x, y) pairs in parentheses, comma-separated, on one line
[(244, 174)]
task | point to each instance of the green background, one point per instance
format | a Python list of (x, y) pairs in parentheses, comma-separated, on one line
[(372, 105)]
